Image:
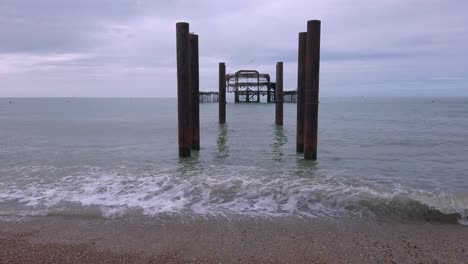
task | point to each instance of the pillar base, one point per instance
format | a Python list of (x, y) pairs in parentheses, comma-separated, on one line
[(195, 145), (310, 154), (300, 148), (185, 152)]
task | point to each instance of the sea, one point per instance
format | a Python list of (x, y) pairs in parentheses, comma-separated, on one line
[(401, 158)]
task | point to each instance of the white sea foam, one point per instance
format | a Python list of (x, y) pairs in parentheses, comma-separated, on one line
[(211, 191)]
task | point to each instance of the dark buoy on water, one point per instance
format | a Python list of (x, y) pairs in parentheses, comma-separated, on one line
[(10, 102)]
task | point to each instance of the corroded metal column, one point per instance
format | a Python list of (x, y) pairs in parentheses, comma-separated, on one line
[(300, 92), (183, 89), (194, 86), (268, 93), (222, 93), (312, 69), (279, 93)]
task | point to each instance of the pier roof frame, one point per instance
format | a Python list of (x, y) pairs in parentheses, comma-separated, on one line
[(247, 80)]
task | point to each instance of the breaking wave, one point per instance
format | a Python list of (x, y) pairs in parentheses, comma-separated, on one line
[(217, 190)]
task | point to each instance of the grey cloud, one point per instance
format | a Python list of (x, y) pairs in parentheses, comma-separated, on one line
[(95, 48)]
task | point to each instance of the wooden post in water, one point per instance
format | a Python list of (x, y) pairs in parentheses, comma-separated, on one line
[(268, 93), (279, 93), (312, 69), (194, 86), (300, 92), (183, 89), (222, 93)]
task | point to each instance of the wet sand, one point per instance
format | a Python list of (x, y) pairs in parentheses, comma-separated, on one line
[(229, 240)]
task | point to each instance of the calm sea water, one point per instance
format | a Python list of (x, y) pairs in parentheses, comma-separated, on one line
[(118, 158)]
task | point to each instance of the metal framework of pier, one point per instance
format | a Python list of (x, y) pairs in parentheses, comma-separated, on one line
[(249, 86)]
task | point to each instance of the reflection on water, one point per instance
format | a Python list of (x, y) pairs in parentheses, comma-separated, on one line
[(223, 148), (186, 166), (279, 140)]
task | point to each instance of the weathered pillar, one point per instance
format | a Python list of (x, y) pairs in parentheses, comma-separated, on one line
[(268, 92), (312, 69), (194, 86), (183, 89), (222, 93), (279, 93), (300, 92)]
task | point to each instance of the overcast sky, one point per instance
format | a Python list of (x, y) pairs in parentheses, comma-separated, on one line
[(127, 48)]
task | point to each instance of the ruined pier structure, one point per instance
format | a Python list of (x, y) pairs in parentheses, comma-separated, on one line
[(249, 86)]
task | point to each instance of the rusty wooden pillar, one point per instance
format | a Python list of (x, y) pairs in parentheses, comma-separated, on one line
[(194, 86), (279, 93), (268, 93), (300, 92), (311, 99), (183, 89), (222, 93)]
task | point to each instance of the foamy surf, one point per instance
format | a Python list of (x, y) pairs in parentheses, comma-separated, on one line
[(122, 191)]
